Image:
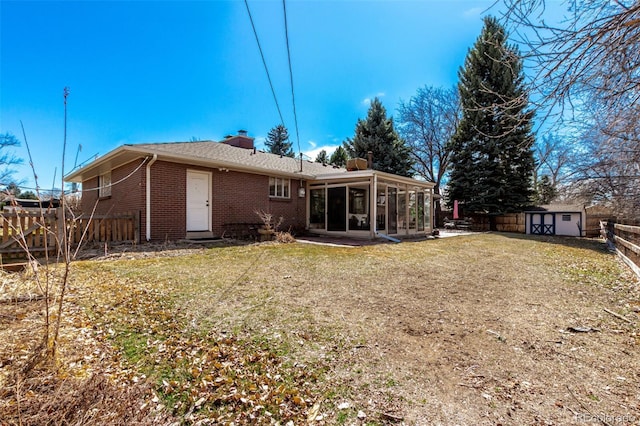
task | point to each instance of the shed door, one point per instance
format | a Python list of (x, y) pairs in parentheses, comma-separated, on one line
[(198, 209), (543, 224)]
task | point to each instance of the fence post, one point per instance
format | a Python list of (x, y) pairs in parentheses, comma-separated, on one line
[(136, 227)]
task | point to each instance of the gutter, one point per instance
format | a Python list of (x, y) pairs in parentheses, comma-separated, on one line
[(148, 197)]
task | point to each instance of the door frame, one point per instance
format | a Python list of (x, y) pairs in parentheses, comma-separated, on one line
[(209, 193), (542, 228), (335, 212)]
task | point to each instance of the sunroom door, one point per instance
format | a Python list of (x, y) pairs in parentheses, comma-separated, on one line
[(337, 209)]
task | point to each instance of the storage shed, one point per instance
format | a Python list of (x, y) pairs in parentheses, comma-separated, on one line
[(556, 219)]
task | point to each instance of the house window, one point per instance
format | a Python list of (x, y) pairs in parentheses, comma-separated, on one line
[(104, 185), (279, 187), (566, 218)]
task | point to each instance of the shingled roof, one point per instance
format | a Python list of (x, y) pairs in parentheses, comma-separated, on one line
[(221, 152), (207, 154)]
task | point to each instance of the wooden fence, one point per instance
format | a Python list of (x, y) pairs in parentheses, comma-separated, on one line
[(37, 233), (626, 241), (595, 215), (515, 222), (508, 222)]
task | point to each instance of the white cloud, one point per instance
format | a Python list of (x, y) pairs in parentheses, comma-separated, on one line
[(313, 144), (259, 142), (367, 101), (313, 153), (473, 12)]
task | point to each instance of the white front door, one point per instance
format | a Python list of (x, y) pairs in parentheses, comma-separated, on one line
[(198, 193)]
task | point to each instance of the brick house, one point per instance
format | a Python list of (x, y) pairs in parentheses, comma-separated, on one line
[(201, 189)]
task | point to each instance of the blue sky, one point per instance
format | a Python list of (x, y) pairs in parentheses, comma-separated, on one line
[(162, 71)]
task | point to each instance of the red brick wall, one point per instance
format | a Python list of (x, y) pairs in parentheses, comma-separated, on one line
[(235, 198), (126, 196), (292, 210), (168, 201)]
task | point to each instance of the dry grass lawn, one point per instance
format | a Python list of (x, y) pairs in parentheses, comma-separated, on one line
[(469, 330)]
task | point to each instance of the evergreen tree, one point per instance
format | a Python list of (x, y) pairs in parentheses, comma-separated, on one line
[(278, 141), (339, 157), (492, 157), (376, 134), (546, 191), (322, 157), (28, 195), (13, 190)]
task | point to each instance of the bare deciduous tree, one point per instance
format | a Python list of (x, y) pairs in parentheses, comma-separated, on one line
[(7, 157), (609, 171), (585, 69), (593, 49), (427, 122), (555, 157)]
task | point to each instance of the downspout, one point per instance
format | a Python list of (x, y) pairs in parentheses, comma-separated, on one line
[(148, 196)]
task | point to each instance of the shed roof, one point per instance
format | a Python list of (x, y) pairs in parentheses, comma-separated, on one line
[(557, 208)]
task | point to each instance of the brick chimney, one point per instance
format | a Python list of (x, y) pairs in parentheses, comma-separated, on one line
[(241, 140)]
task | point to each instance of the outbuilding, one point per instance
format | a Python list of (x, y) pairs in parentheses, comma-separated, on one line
[(556, 219)]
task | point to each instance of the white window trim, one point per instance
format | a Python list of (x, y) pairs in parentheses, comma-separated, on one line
[(104, 185), (280, 185)]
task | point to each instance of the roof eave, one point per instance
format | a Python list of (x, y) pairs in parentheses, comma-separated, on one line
[(93, 169), (198, 161), (79, 174), (368, 173)]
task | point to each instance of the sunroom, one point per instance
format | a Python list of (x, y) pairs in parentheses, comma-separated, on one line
[(369, 204)]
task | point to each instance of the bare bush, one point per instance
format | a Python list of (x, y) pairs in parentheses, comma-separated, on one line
[(270, 222), (45, 399), (285, 237)]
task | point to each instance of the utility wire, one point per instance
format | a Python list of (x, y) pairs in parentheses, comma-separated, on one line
[(264, 62), (98, 188), (293, 96)]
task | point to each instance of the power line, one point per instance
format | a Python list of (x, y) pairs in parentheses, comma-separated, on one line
[(264, 62), (293, 96), (97, 188)]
